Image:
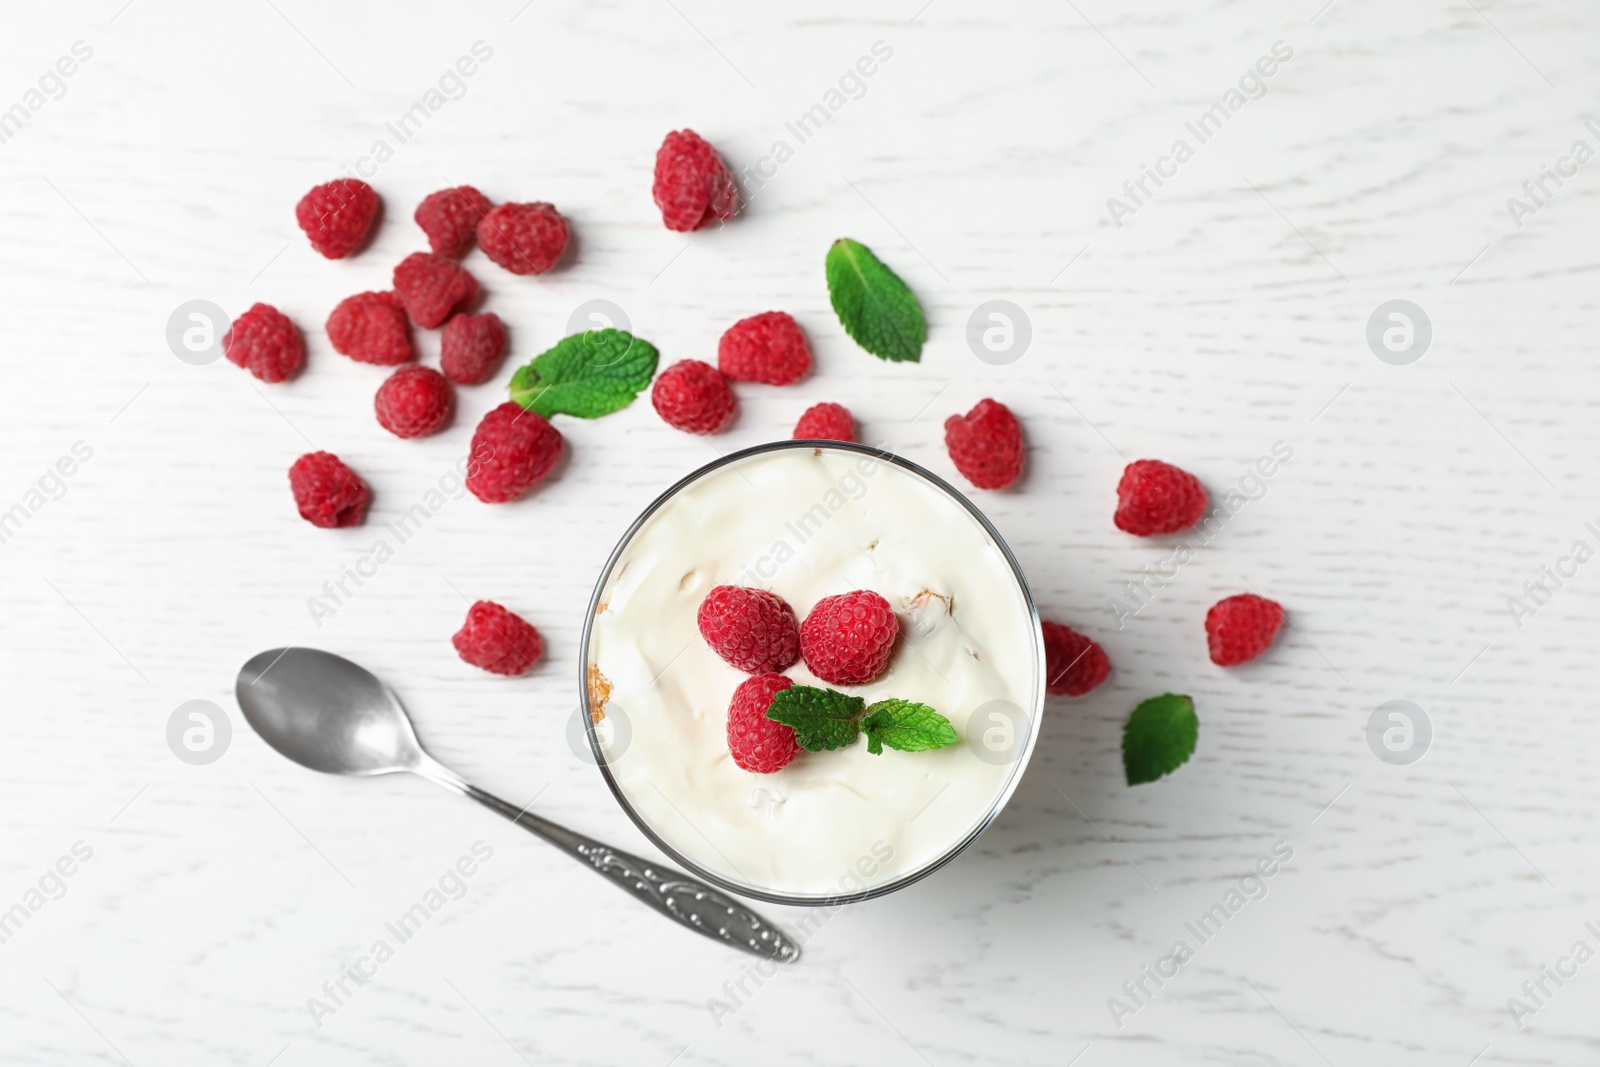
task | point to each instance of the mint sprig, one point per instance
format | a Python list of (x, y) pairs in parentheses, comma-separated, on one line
[(588, 374), (825, 719), (876, 309), (1159, 737)]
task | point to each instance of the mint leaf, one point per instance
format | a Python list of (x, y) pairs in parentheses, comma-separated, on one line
[(876, 309), (821, 718), (588, 374), (1159, 737), (907, 726)]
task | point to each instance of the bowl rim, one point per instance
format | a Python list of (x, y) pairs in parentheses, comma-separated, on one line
[(1033, 712)]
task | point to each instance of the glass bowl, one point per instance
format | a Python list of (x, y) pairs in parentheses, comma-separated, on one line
[(998, 733)]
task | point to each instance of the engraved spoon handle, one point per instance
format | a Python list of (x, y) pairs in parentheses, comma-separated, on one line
[(692, 903)]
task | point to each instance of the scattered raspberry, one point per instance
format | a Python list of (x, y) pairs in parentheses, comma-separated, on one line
[(431, 286), (825, 422), (471, 346), (847, 638), (1240, 628), (985, 444), (371, 328), (1157, 498), (414, 402), (264, 342), (337, 216), (450, 219), (523, 238), (512, 451), (693, 396), (328, 493), (769, 348), (757, 743), (496, 640), (752, 629), (692, 186), (1073, 664)]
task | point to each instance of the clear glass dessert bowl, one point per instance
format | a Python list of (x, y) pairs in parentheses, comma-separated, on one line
[(809, 519)]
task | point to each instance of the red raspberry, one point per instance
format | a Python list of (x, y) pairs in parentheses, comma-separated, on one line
[(431, 286), (693, 396), (847, 638), (825, 422), (1073, 664), (496, 640), (337, 216), (512, 451), (757, 743), (471, 346), (692, 186), (985, 444), (264, 342), (752, 629), (328, 493), (450, 218), (414, 402), (1240, 628), (769, 347), (371, 328), (523, 238), (1157, 498)]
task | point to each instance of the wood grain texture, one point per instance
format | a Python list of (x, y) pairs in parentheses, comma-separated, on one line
[(1227, 314)]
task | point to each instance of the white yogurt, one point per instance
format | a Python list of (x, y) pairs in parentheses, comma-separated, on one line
[(808, 523)]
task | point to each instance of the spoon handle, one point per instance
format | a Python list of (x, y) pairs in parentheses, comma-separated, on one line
[(698, 906)]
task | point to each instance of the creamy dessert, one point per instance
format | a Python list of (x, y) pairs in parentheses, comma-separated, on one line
[(807, 523)]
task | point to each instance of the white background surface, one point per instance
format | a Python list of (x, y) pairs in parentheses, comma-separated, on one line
[(1226, 315)]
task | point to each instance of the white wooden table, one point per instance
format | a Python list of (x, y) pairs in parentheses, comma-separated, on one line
[(1227, 311)]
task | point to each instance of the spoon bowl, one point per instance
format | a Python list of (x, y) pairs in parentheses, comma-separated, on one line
[(327, 713)]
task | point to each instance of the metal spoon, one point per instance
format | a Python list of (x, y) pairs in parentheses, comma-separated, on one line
[(334, 716)]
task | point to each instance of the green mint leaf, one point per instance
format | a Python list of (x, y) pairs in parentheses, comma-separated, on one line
[(1159, 737), (876, 309), (821, 718), (907, 726), (588, 374)]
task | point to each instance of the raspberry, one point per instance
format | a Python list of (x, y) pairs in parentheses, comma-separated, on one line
[(985, 444), (692, 186), (431, 286), (693, 396), (471, 346), (769, 347), (523, 238), (825, 422), (756, 742), (1073, 664), (512, 451), (337, 216), (1157, 498), (497, 640), (414, 402), (328, 493), (752, 629), (847, 638), (450, 218), (264, 342), (371, 328), (1240, 628)]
